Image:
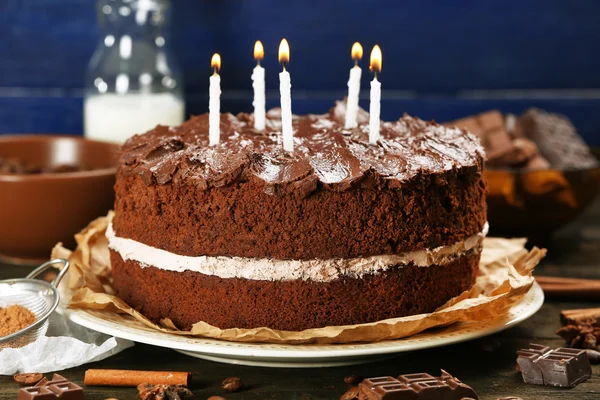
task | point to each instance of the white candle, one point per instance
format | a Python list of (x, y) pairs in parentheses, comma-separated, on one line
[(258, 84), (374, 111), (214, 102), (353, 88), (285, 88), (375, 105)]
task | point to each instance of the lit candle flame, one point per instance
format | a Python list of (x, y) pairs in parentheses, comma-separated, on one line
[(215, 63), (357, 52), (376, 57), (284, 52), (259, 51)]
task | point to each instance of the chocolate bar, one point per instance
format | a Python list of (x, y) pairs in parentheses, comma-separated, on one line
[(557, 139), (415, 387), (563, 367), (497, 139), (58, 388)]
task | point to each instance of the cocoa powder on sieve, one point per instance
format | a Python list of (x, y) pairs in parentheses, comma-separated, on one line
[(14, 318)]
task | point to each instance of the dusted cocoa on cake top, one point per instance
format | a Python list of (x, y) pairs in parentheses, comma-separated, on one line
[(336, 195)]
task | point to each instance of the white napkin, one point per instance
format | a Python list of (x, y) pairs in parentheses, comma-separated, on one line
[(65, 345)]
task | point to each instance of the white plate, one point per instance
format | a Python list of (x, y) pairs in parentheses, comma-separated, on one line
[(303, 356)]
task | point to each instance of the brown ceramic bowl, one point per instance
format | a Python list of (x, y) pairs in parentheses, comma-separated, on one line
[(39, 210), (537, 202)]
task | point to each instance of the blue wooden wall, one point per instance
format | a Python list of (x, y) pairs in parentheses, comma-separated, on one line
[(441, 59)]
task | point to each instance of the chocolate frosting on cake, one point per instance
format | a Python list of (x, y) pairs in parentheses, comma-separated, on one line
[(325, 155)]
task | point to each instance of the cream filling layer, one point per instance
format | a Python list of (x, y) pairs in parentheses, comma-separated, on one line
[(266, 269)]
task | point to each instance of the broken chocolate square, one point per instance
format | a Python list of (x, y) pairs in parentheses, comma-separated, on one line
[(563, 367), (67, 391), (557, 139), (415, 386), (36, 393), (501, 149), (58, 388)]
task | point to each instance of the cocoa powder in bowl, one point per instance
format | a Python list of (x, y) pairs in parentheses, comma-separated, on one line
[(14, 318)]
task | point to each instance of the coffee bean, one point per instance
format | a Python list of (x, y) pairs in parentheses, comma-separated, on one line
[(350, 394), (352, 379), (216, 398), (593, 356), (232, 384), (28, 379)]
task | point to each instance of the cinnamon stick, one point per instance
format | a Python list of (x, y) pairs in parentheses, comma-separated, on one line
[(580, 316), (571, 292), (572, 288), (566, 281), (116, 377)]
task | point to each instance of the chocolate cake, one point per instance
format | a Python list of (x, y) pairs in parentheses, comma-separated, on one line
[(243, 234)]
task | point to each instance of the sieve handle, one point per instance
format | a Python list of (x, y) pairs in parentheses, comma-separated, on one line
[(49, 264)]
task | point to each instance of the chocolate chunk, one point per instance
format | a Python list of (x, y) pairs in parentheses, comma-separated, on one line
[(415, 386), (501, 149), (57, 388), (36, 393), (557, 139), (67, 391), (521, 153), (561, 367)]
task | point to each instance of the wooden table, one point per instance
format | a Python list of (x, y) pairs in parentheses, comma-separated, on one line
[(488, 364)]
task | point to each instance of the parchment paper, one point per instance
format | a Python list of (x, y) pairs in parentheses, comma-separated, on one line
[(506, 276)]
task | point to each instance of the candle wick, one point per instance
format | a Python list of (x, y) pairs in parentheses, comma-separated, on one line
[(258, 62), (283, 65), (215, 72), (356, 63)]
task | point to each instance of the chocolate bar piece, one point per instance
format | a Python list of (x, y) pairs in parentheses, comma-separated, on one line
[(415, 387), (563, 367), (523, 151), (36, 393), (67, 391), (59, 388), (557, 139), (497, 139), (56, 378)]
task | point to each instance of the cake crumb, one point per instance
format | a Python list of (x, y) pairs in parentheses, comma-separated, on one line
[(14, 318)]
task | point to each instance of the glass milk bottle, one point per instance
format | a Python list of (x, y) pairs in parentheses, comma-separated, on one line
[(132, 81)]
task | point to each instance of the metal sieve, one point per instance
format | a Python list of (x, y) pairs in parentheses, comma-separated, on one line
[(39, 297)]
